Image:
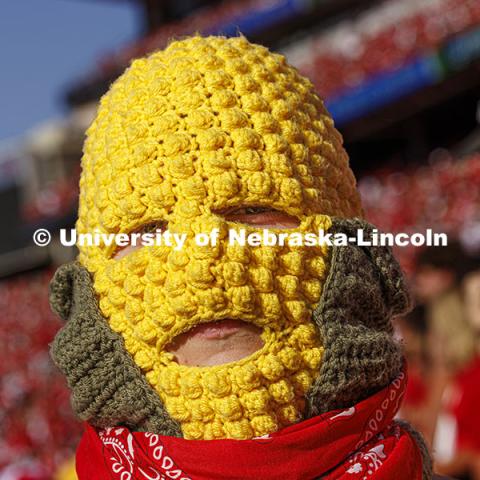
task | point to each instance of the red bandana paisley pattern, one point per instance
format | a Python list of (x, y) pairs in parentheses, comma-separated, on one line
[(361, 442)]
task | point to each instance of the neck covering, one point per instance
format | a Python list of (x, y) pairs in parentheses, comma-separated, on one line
[(361, 442)]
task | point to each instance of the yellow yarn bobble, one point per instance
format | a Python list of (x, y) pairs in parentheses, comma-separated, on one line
[(207, 124)]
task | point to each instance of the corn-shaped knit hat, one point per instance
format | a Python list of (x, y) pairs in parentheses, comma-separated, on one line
[(205, 125)]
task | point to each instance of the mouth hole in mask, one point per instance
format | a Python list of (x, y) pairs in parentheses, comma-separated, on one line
[(216, 343), (259, 217), (134, 238)]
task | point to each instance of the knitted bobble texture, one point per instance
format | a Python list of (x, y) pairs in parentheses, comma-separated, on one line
[(208, 124)]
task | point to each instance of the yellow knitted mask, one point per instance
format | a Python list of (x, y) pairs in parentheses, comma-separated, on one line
[(206, 124)]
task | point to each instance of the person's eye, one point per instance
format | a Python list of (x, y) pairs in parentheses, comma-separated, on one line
[(135, 238), (158, 226), (260, 217)]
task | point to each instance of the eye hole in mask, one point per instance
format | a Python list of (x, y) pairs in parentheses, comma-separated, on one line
[(259, 217), (135, 241), (255, 216)]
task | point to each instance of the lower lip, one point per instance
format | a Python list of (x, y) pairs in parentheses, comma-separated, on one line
[(216, 330)]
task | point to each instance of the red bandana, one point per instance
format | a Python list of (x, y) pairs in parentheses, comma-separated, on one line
[(361, 442)]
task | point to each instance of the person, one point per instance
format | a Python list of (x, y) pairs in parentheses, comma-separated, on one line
[(412, 331), (439, 270), (446, 414), (457, 440), (224, 360)]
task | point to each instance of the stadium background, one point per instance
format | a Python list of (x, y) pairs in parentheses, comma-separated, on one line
[(402, 81)]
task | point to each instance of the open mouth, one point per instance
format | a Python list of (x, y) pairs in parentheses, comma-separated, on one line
[(216, 343)]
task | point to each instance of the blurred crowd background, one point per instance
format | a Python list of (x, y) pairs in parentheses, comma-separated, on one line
[(402, 80)]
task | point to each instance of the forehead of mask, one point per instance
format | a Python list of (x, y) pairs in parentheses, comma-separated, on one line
[(210, 123)]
